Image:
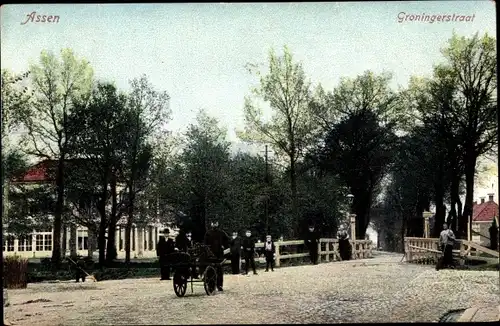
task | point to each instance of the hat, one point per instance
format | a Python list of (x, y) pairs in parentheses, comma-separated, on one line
[(166, 231)]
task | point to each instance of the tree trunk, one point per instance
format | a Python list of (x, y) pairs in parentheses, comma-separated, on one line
[(111, 250), (56, 236), (128, 226), (440, 216), (73, 240), (293, 188), (102, 225), (470, 170)]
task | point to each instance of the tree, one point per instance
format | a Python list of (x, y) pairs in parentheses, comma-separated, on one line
[(356, 142), (471, 64), (291, 130), (359, 151), (15, 103), (100, 130), (196, 182), (58, 85), (150, 111)]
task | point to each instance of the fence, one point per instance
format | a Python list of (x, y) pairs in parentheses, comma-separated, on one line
[(417, 249), (327, 250)]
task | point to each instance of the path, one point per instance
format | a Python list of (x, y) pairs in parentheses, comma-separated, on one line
[(371, 290)]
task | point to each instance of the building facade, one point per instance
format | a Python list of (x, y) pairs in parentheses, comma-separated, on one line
[(484, 213), (78, 239)]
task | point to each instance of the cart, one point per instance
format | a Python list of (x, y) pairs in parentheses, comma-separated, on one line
[(189, 266)]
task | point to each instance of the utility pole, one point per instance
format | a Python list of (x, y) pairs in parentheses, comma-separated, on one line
[(266, 205)]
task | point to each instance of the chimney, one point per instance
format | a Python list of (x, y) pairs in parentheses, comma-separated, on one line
[(490, 197), (482, 200)]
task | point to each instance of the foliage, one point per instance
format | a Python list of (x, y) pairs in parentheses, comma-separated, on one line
[(290, 132)]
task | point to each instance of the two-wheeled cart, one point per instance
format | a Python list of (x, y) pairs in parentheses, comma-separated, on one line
[(196, 266)]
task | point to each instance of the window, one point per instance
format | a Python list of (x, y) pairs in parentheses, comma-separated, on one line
[(47, 244), (83, 243), (10, 243), (25, 243), (39, 242), (150, 238)]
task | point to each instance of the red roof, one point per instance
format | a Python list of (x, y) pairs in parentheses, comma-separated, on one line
[(36, 173), (484, 212)]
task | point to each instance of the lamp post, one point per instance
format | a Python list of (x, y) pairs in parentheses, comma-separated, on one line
[(351, 217), (427, 215)]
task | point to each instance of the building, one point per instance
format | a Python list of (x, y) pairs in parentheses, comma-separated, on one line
[(483, 215), (39, 243)]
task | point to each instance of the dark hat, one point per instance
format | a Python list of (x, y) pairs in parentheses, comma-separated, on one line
[(166, 231)]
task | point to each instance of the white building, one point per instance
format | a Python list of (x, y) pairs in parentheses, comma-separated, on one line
[(39, 243)]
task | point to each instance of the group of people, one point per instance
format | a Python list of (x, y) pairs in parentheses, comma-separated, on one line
[(219, 243), (234, 248)]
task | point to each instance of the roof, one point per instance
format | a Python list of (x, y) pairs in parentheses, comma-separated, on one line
[(484, 212), (44, 171)]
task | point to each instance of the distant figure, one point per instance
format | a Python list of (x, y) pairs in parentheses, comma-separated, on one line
[(269, 253), (189, 236), (218, 241), (235, 253), (164, 248), (182, 241), (311, 241), (446, 241), (80, 266), (345, 248), (249, 252), (493, 235)]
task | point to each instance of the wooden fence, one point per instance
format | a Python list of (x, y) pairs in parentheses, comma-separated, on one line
[(420, 249), (327, 250)]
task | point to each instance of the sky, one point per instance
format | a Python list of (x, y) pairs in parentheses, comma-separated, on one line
[(197, 52)]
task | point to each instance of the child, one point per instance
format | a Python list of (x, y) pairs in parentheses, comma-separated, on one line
[(269, 253)]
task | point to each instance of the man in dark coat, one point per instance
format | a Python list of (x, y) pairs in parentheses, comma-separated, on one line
[(248, 247), (235, 253), (164, 248), (182, 241), (311, 241), (269, 253), (217, 240)]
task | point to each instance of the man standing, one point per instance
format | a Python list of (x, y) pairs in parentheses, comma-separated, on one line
[(345, 249), (217, 240), (311, 241), (181, 241), (446, 240), (235, 253), (249, 252)]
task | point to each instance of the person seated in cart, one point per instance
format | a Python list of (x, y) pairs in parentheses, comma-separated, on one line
[(182, 242), (217, 240)]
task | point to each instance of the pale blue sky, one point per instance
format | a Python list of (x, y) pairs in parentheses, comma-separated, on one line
[(197, 52)]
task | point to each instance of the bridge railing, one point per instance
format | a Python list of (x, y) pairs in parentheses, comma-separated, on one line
[(421, 248), (327, 250)]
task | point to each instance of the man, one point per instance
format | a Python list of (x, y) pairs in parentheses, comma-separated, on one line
[(269, 253), (311, 241), (182, 241), (446, 241), (164, 248), (248, 247), (235, 253), (217, 240)]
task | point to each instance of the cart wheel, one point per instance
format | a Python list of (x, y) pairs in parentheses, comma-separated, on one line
[(210, 280), (180, 284)]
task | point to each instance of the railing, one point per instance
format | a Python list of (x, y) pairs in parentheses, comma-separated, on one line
[(418, 249), (284, 250), (327, 250)]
